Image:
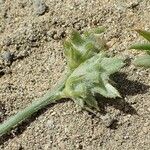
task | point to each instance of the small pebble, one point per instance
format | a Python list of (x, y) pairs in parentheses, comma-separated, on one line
[(146, 130), (107, 120), (126, 137), (7, 57), (40, 7), (50, 124)]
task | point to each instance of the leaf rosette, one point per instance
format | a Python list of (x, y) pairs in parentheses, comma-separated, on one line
[(91, 69)]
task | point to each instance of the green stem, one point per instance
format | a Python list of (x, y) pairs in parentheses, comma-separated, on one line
[(27, 112), (36, 105)]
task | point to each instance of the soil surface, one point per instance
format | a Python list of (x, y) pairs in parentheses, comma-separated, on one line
[(32, 61)]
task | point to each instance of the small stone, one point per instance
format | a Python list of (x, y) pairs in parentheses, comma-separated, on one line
[(50, 124), (7, 57), (145, 129), (53, 113), (126, 137), (40, 7), (108, 120)]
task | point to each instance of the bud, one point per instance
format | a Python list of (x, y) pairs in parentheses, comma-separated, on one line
[(80, 48), (92, 77)]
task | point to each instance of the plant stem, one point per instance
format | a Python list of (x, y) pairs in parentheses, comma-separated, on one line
[(27, 112), (36, 105)]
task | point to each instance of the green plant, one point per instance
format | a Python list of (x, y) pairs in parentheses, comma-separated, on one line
[(143, 60), (87, 73)]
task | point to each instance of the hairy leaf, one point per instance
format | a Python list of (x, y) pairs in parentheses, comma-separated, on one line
[(79, 48), (92, 77), (143, 61)]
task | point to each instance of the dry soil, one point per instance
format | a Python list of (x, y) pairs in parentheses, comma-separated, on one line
[(32, 61)]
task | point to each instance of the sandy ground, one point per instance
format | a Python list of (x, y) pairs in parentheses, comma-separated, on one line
[(32, 61)]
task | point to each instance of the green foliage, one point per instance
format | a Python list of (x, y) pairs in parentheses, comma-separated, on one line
[(143, 60), (87, 74), (92, 77), (79, 48), (90, 68)]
